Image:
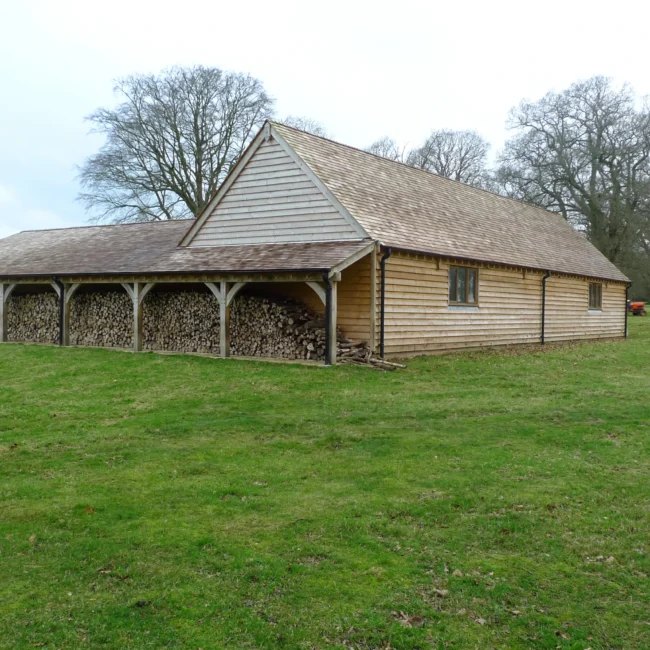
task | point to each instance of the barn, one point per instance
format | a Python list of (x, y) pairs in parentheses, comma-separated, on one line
[(310, 246)]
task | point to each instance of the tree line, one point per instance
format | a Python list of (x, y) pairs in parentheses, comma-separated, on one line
[(583, 152)]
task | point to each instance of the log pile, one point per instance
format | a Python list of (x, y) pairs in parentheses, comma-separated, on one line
[(33, 317), (283, 329), (185, 321), (181, 321), (103, 319), (359, 354)]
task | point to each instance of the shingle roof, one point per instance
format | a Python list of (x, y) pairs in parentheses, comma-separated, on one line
[(413, 209), (152, 247), (396, 204)]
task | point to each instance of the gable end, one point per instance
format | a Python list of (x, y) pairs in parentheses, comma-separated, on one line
[(273, 198)]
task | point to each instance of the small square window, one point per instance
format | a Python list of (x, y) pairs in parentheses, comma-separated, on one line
[(463, 285), (595, 295)]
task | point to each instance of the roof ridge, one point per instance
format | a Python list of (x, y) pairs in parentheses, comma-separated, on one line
[(106, 225), (416, 169)]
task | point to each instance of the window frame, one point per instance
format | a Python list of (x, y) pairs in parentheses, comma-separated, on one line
[(598, 306), (463, 303)]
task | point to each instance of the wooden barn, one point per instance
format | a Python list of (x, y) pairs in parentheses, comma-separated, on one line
[(307, 243)]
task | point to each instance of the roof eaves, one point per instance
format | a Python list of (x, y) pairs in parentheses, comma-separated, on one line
[(158, 272), (158, 222), (531, 267)]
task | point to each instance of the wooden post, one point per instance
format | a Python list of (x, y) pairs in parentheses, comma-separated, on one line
[(138, 293), (59, 289), (331, 319), (137, 317), (65, 323), (5, 289), (373, 300), (224, 321), (70, 290)]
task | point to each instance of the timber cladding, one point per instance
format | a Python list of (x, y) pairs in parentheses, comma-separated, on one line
[(273, 200), (354, 298), (568, 316), (420, 320)]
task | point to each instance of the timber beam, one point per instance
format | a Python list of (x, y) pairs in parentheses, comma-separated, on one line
[(224, 321), (331, 309), (137, 292), (68, 291), (224, 295), (190, 278), (5, 291)]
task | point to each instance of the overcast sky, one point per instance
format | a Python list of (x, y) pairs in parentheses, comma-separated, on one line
[(363, 69)]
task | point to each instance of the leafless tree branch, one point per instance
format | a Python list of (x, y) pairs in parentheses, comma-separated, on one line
[(170, 142)]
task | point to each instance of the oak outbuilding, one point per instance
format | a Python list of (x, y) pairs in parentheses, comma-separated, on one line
[(310, 245)]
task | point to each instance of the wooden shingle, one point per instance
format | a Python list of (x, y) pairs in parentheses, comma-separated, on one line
[(412, 209)]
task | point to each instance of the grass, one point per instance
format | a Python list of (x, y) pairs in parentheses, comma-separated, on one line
[(485, 500)]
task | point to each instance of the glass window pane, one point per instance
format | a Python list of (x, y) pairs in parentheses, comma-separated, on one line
[(471, 286), (453, 296), (462, 284), (595, 296)]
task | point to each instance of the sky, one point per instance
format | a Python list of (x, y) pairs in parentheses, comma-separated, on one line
[(364, 69)]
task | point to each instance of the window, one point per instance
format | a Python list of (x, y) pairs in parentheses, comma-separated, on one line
[(595, 295), (463, 285)]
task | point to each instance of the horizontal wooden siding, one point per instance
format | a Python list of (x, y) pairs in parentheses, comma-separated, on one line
[(354, 300), (567, 310), (418, 318), (273, 200)]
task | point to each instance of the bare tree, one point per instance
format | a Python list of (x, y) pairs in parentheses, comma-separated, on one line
[(305, 124), (170, 142), (585, 152), (387, 148), (459, 155)]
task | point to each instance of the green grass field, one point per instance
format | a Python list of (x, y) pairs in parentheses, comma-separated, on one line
[(485, 500)]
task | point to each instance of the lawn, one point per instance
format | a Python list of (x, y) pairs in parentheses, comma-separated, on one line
[(485, 500)]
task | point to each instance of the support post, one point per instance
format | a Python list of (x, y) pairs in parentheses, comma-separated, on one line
[(59, 287), (224, 321), (331, 347), (137, 317), (68, 291), (65, 318), (3, 314), (138, 293), (373, 300), (5, 291)]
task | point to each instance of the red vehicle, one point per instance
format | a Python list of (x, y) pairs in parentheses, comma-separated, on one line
[(636, 308)]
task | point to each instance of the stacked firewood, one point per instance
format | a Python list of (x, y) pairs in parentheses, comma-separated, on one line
[(186, 321), (359, 354), (33, 317), (284, 329), (181, 321), (103, 319)]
